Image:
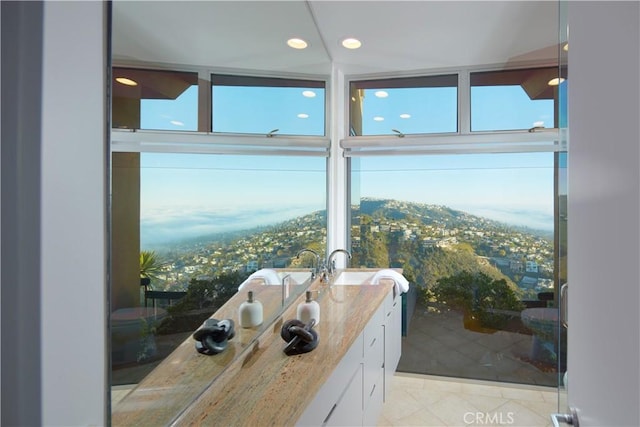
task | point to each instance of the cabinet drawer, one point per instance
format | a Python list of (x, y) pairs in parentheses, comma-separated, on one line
[(347, 411), (372, 329), (373, 360), (374, 348), (373, 398)]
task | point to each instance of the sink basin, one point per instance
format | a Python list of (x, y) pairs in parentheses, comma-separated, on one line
[(353, 278), (296, 277)]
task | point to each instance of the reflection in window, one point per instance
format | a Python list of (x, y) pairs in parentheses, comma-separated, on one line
[(197, 225), (262, 105), (514, 99), (156, 100), (224, 206), (404, 105)]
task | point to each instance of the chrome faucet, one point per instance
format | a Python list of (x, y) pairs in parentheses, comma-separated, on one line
[(316, 269), (331, 263)]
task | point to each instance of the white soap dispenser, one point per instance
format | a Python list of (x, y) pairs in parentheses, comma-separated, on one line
[(250, 312), (308, 310)]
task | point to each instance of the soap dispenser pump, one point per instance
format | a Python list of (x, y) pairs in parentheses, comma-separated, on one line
[(250, 312), (308, 310)]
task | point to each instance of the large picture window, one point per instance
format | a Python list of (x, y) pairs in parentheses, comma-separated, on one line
[(476, 220), (474, 234), (206, 205), (193, 214)]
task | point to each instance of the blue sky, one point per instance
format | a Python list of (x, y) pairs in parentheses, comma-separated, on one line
[(188, 195)]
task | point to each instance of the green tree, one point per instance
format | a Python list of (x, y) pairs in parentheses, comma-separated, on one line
[(150, 265), (478, 294)]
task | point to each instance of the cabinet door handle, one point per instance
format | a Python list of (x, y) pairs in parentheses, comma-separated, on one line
[(372, 342), (372, 390)]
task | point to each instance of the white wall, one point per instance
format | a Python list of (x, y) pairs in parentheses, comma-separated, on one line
[(603, 209), (73, 220)]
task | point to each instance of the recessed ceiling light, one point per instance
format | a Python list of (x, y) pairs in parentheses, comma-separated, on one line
[(566, 47), (555, 81), (351, 43), (303, 116), (309, 94), (126, 81), (378, 118), (297, 43), (405, 116), (381, 94), (353, 98)]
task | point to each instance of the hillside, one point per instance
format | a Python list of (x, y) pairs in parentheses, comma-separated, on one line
[(427, 241)]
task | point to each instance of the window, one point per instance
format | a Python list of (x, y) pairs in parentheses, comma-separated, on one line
[(193, 214), (443, 218), (404, 105), (475, 218), (527, 99), (263, 105), (154, 100), (206, 204)]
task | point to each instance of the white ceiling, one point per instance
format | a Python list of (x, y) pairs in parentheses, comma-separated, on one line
[(397, 36)]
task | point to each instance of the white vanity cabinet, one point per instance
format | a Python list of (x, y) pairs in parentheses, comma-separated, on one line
[(355, 391), (392, 339)]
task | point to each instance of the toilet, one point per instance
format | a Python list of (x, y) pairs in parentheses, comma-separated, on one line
[(133, 334)]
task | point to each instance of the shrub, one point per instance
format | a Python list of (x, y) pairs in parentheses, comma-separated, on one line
[(490, 300)]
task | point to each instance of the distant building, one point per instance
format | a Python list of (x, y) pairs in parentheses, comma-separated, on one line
[(516, 266), (528, 282), (531, 267), (502, 262)]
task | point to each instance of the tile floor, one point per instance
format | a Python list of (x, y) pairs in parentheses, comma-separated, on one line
[(420, 400)]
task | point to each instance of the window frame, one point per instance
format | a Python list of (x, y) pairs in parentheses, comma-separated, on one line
[(462, 141), (204, 141)]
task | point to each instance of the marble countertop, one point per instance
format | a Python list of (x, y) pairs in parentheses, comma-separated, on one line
[(252, 386), (174, 384), (269, 387)]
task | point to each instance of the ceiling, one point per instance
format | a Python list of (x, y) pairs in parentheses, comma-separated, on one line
[(397, 36)]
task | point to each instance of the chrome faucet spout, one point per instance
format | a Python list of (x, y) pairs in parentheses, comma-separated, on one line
[(316, 269), (331, 263)]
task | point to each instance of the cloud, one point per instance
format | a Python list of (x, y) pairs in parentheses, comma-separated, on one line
[(162, 225)]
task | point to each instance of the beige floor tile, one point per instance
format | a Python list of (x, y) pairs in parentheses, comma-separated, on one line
[(453, 410), (400, 404), (418, 400), (484, 403), (522, 415), (481, 389), (424, 418), (428, 396)]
